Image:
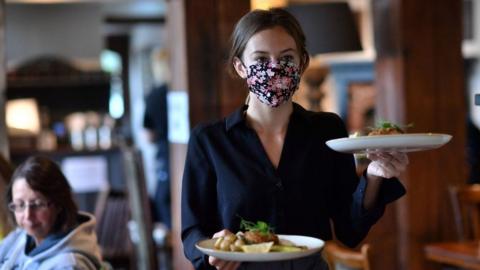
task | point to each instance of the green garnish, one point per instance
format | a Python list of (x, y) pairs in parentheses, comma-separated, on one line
[(260, 226), (389, 125)]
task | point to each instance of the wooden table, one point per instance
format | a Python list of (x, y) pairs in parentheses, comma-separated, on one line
[(460, 254)]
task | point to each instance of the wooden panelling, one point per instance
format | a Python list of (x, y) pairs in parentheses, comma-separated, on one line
[(420, 80), (383, 241), (202, 59), (213, 93), (233, 90), (199, 44)]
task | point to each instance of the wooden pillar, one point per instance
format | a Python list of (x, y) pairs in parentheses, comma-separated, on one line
[(212, 91), (199, 42), (420, 80), (175, 23), (3, 127)]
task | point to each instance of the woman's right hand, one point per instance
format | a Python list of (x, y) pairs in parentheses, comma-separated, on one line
[(221, 264)]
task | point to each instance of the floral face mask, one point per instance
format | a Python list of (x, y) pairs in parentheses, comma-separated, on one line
[(273, 82)]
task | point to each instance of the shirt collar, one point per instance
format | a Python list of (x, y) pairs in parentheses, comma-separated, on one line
[(238, 116)]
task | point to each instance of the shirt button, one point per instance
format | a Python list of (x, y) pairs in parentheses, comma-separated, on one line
[(279, 185)]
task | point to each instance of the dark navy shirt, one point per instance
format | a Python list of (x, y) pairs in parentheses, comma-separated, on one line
[(228, 175)]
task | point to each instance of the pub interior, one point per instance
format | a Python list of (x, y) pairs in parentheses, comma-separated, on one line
[(77, 76)]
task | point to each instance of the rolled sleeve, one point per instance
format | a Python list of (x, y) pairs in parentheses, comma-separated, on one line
[(390, 190)]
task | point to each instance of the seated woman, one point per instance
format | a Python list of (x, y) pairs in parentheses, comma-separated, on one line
[(51, 233)]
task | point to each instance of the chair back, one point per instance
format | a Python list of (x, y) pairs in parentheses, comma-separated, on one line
[(140, 209), (342, 258), (466, 208), (112, 231)]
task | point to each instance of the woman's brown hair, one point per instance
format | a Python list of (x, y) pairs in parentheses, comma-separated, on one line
[(44, 176), (258, 20)]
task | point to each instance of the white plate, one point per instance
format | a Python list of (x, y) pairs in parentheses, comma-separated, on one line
[(385, 143), (313, 245)]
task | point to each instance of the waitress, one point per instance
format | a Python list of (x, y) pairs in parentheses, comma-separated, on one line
[(268, 160)]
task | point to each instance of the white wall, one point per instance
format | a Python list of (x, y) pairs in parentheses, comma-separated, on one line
[(74, 30), (68, 30)]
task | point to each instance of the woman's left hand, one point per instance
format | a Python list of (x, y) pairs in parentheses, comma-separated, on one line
[(387, 164)]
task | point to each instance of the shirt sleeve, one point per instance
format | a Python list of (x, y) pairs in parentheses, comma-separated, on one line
[(147, 120), (390, 190), (155, 115), (199, 203), (351, 221), (147, 114)]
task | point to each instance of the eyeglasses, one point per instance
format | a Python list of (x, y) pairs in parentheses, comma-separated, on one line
[(34, 206)]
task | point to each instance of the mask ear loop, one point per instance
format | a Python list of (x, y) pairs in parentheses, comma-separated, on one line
[(247, 99)]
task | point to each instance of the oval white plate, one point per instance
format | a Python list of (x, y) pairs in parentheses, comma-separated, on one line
[(399, 142), (313, 244)]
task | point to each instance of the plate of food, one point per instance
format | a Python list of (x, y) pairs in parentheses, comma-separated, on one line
[(258, 243), (388, 137)]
